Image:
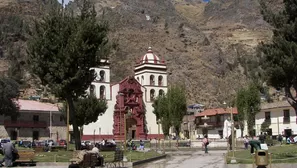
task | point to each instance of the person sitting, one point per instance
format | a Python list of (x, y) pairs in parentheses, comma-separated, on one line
[(141, 146), (113, 142)]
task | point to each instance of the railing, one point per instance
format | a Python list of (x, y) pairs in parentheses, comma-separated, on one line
[(25, 124)]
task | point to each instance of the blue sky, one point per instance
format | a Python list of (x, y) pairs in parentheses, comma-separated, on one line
[(65, 1)]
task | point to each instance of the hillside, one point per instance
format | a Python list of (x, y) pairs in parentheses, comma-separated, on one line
[(201, 42)]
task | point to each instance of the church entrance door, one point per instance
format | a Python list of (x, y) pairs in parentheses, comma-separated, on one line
[(131, 128)]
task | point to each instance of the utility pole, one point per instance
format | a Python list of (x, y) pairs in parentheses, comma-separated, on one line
[(232, 136), (67, 127)]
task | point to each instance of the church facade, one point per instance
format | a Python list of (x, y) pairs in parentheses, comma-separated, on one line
[(130, 110)]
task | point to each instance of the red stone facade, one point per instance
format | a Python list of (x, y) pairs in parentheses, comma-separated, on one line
[(129, 100)]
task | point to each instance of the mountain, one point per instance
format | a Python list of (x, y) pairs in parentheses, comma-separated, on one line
[(201, 42)]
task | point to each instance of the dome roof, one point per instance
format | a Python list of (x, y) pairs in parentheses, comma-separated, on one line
[(150, 58)]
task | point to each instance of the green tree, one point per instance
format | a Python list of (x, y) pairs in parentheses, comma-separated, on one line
[(177, 106), (279, 56), (248, 104), (62, 49), (9, 92), (87, 110), (171, 108), (241, 105), (162, 114)]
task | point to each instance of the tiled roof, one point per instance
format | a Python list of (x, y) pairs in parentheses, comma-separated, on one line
[(275, 105), (31, 105), (212, 112)]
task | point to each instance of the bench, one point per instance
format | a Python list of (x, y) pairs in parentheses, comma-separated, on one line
[(117, 161), (89, 160), (25, 157)]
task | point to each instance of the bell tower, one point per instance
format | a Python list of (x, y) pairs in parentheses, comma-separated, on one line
[(101, 85), (151, 73)]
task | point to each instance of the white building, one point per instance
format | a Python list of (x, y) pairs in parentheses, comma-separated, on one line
[(149, 81), (281, 118)]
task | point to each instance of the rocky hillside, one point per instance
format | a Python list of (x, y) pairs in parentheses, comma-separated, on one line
[(202, 43)]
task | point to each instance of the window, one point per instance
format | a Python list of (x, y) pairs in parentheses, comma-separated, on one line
[(35, 118), (161, 92), (102, 76), (93, 90), (152, 95), (160, 80), (152, 80), (102, 92), (286, 116), (267, 117)]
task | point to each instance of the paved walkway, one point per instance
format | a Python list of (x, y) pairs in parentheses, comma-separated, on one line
[(192, 159)]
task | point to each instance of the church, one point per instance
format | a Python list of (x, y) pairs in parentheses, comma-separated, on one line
[(130, 110)]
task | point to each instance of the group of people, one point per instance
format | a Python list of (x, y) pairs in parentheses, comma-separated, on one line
[(10, 154)]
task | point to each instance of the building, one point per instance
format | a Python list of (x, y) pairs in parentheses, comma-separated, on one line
[(36, 120), (211, 122), (130, 101), (280, 118)]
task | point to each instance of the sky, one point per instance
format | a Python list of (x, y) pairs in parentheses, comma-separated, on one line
[(65, 1)]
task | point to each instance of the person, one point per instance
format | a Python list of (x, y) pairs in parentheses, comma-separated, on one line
[(10, 154), (205, 143), (103, 142), (141, 145), (255, 144), (280, 139), (99, 157), (230, 141), (262, 138), (246, 142)]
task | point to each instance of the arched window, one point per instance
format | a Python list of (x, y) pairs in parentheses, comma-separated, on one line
[(160, 80), (93, 90), (161, 92), (152, 80), (102, 76), (102, 92), (152, 95)]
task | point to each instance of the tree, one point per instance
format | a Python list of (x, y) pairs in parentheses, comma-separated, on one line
[(241, 105), (248, 105), (9, 92), (171, 108), (279, 56), (87, 110), (177, 106), (62, 49), (162, 114)]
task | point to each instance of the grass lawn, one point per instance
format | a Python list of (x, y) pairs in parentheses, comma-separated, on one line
[(65, 156), (280, 154)]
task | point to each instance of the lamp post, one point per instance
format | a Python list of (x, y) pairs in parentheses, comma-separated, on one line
[(232, 133)]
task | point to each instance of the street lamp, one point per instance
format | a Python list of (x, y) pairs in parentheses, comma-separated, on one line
[(232, 132)]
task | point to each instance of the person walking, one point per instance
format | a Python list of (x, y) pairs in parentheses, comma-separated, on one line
[(10, 153), (205, 143), (246, 142), (280, 139)]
